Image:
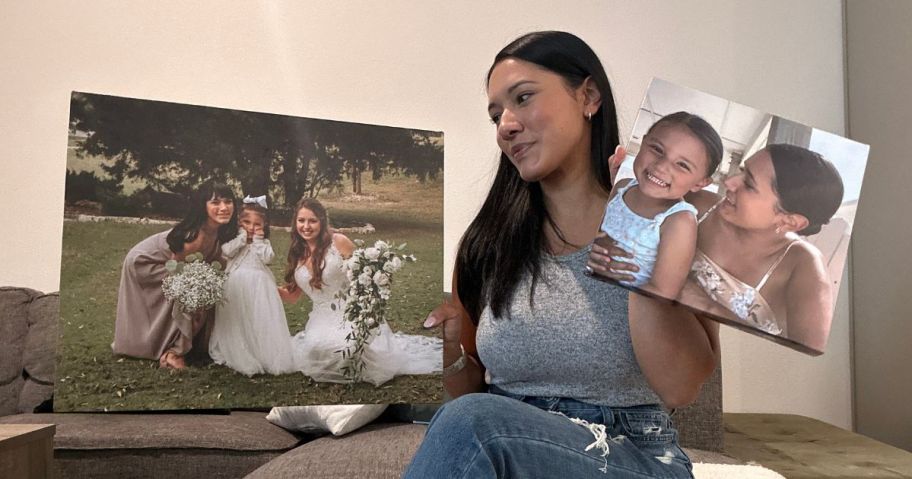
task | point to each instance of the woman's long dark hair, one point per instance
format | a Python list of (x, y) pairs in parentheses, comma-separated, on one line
[(807, 184), (299, 252), (506, 239), (188, 229)]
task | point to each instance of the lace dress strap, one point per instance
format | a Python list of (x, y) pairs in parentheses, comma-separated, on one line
[(769, 272), (710, 210)]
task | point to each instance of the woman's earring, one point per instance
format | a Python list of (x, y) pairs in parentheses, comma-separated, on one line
[(589, 116), (778, 229)]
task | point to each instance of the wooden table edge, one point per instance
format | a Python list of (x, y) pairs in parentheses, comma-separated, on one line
[(26, 433)]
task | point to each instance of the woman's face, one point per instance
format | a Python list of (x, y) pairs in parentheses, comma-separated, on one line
[(307, 224), (671, 162), (219, 210), (750, 201), (540, 121)]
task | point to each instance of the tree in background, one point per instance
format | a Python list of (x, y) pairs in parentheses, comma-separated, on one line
[(175, 147)]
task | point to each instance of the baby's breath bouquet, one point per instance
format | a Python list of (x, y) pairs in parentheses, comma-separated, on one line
[(193, 283), (370, 272)]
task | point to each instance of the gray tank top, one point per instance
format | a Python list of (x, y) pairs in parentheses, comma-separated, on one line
[(574, 342)]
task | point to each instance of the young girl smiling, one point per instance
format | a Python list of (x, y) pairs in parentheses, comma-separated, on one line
[(251, 332), (647, 216)]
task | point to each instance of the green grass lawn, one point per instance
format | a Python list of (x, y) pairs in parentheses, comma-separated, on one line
[(90, 377)]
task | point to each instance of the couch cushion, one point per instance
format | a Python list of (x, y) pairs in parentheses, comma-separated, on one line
[(41, 341), (39, 356), (158, 463), (9, 396), (238, 431), (117, 445), (13, 329), (378, 451), (33, 394)]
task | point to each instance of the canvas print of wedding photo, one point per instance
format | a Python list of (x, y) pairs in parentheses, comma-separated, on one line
[(738, 214), (218, 259)]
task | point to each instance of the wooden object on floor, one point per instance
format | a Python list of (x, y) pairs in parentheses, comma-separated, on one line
[(803, 448), (27, 451)]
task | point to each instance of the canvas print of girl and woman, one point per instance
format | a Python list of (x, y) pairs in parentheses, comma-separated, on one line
[(741, 215), (217, 258)]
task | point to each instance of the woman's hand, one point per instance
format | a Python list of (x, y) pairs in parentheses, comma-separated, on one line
[(614, 162), (289, 296), (249, 234), (604, 260), (458, 337), (449, 318)]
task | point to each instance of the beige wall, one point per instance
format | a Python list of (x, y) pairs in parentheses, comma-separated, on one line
[(880, 113), (415, 64)]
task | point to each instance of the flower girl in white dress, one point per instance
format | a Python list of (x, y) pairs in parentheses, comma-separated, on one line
[(317, 268), (250, 334)]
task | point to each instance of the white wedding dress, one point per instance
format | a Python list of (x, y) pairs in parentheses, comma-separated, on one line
[(388, 355), (250, 333)]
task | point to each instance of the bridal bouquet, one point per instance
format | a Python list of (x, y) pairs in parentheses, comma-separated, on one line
[(193, 283), (370, 272)]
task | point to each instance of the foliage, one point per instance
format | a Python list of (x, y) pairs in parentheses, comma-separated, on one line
[(194, 284), (85, 185), (370, 274), (175, 147)]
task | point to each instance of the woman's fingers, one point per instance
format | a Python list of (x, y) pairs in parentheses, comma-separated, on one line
[(610, 250), (616, 270), (286, 295), (615, 160), (606, 260), (604, 245), (449, 317)]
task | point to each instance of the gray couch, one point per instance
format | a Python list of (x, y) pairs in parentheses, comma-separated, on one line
[(223, 445)]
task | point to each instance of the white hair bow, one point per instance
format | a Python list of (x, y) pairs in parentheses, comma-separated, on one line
[(260, 200)]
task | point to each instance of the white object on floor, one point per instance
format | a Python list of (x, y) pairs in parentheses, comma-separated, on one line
[(703, 470), (338, 420)]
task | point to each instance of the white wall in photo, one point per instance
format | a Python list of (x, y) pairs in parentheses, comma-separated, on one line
[(418, 65)]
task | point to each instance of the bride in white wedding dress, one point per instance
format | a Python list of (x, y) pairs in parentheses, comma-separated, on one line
[(316, 267)]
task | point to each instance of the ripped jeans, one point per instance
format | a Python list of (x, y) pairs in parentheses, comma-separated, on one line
[(504, 435)]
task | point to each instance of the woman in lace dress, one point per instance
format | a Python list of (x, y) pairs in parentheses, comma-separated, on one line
[(317, 267)]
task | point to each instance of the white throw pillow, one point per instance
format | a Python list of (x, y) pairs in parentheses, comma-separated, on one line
[(337, 420)]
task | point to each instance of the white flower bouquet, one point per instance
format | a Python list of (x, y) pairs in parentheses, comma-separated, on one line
[(193, 283), (370, 272)]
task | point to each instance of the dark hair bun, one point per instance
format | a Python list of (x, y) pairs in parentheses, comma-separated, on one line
[(807, 184)]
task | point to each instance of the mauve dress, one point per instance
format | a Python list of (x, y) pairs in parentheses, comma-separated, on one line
[(147, 323)]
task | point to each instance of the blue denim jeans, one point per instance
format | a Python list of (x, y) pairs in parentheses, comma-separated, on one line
[(504, 435)]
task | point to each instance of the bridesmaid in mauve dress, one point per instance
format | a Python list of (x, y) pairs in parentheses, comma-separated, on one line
[(148, 325)]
